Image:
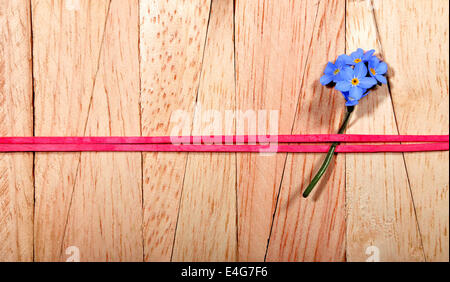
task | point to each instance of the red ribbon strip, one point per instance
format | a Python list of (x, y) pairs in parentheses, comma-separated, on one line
[(164, 144), (440, 146), (308, 138)]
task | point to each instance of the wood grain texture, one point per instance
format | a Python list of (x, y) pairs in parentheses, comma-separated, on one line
[(66, 47), (380, 209), (172, 39), (156, 67), (105, 216), (16, 119), (268, 77), (207, 228), (313, 229), (415, 40), (87, 82)]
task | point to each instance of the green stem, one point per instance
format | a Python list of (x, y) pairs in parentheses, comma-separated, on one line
[(329, 156)]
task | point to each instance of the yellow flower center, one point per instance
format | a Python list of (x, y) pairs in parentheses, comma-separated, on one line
[(357, 60), (336, 71), (373, 71), (355, 81)]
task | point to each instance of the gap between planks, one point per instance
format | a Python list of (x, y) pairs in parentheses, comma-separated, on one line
[(192, 126), (396, 123), (85, 125), (30, 15), (292, 130)]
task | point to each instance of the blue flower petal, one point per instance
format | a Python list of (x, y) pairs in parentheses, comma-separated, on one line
[(346, 59), (351, 103), (373, 62), (368, 55), (329, 69), (381, 68), (343, 86), (341, 59), (381, 78), (360, 70), (325, 79), (372, 67), (355, 93), (345, 94), (367, 82), (337, 78), (357, 54), (347, 73)]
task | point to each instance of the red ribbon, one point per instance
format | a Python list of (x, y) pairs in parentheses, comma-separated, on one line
[(439, 146), (308, 138), (200, 143)]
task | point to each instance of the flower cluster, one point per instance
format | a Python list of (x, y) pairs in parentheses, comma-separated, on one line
[(355, 75)]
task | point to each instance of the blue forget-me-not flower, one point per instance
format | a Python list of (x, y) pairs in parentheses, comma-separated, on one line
[(333, 72), (354, 75), (355, 82), (358, 56), (377, 69)]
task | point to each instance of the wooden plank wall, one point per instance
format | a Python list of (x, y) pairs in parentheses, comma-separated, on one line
[(172, 40), (87, 200), (66, 48), (421, 70), (268, 77), (16, 119), (207, 224), (157, 67), (380, 209), (314, 228)]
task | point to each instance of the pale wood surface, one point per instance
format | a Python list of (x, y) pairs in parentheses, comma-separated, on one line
[(105, 216), (379, 206), (66, 48), (207, 227), (419, 83), (313, 229), (16, 119), (172, 39), (268, 77), (155, 67), (87, 200)]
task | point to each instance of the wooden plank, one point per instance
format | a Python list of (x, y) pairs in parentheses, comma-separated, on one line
[(313, 229), (103, 221), (87, 200), (419, 80), (207, 226), (380, 210), (172, 37), (66, 46), (16, 119), (268, 77)]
